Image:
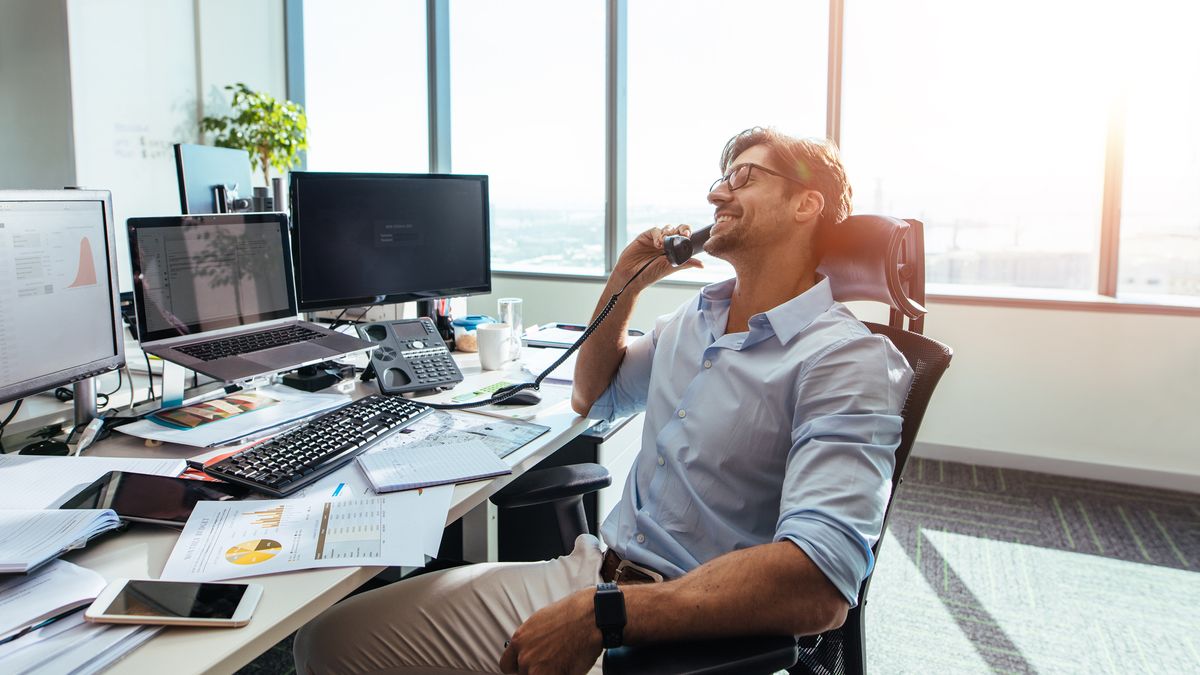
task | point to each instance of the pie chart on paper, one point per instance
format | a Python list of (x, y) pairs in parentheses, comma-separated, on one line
[(253, 552)]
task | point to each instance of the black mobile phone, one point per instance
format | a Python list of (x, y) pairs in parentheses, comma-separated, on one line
[(143, 498)]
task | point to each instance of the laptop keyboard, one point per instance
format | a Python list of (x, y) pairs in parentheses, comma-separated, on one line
[(298, 457), (246, 343)]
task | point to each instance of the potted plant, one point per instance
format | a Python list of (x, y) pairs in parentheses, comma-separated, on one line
[(272, 131)]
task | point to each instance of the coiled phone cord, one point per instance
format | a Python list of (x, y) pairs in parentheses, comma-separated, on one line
[(508, 392)]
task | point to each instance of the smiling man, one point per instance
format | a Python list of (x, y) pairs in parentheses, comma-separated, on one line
[(772, 417)]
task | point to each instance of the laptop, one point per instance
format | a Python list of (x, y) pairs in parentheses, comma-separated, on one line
[(216, 294)]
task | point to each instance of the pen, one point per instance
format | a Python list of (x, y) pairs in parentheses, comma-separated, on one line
[(41, 624)]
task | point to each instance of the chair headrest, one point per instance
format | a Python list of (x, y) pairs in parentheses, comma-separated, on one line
[(867, 257)]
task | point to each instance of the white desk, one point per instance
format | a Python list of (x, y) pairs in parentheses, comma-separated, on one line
[(289, 600)]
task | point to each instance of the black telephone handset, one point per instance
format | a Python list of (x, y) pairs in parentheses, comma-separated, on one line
[(679, 248)]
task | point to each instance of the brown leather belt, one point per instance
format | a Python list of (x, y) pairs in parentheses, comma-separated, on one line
[(618, 570)]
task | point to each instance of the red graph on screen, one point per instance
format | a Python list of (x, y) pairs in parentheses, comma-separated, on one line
[(86, 276)]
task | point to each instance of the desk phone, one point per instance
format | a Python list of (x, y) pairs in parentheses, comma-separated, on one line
[(410, 356)]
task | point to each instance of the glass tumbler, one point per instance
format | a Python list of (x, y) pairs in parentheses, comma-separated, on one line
[(508, 310)]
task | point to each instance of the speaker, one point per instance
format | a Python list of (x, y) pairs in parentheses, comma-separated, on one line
[(409, 356)]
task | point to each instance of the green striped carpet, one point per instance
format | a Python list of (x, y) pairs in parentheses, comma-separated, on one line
[(995, 570)]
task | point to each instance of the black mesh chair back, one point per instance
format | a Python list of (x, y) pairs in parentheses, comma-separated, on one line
[(842, 651)]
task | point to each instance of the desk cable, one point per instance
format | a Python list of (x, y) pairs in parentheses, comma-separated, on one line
[(508, 392)]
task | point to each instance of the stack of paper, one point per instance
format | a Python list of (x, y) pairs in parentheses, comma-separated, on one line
[(42, 629), (32, 482), (71, 645), (292, 406), (228, 540), (56, 589), (536, 360), (30, 538)]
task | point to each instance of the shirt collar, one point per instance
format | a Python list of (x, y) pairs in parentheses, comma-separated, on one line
[(786, 320)]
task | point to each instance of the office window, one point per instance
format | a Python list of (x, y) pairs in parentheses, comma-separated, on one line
[(365, 85), (1160, 215), (987, 122), (527, 109), (699, 72)]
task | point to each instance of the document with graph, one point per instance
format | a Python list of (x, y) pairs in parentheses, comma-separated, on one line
[(228, 540)]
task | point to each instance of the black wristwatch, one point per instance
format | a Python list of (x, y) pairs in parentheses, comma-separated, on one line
[(610, 614)]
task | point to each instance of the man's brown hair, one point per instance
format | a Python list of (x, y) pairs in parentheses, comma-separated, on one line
[(815, 162)]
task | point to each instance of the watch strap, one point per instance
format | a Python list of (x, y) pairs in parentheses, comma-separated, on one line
[(610, 614)]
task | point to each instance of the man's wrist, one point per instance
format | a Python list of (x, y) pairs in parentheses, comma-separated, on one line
[(610, 615)]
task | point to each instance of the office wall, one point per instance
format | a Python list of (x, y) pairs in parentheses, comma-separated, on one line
[(1100, 395), (34, 85), (144, 72), (95, 93)]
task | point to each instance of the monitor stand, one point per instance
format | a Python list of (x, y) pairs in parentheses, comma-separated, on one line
[(310, 378), (84, 392)]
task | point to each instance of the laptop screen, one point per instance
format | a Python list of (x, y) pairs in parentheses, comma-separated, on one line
[(194, 274)]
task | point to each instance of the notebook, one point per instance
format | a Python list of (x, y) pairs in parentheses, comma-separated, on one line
[(418, 465), (31, 538)]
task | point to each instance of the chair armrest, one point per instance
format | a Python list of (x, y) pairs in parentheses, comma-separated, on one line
[(757, 654), (542, 486)]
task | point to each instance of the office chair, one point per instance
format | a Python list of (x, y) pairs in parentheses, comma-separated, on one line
[(866, 258)]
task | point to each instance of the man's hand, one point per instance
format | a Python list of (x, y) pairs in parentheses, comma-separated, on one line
[(560, 638), (646, 246)]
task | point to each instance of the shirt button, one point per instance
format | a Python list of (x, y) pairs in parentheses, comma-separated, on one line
[(707, 363), (661, 461), (682, 414), (641, 538)]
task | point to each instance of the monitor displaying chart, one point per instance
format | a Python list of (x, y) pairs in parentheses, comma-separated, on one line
[(56, 295)]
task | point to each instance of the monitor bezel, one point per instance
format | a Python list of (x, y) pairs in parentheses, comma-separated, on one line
[(60, 378), (315, 305), (193, 156), (145, 335)]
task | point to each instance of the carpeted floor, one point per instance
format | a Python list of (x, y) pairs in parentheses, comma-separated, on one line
[(995, 570)]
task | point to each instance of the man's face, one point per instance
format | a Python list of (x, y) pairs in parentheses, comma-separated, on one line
[(752, 216)]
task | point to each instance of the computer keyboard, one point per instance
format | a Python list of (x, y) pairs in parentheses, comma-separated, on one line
[(248, 342), (294, 459)]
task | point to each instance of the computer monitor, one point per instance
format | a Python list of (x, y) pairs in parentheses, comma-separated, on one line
[(201, 168), (58, 290), (364, 238)]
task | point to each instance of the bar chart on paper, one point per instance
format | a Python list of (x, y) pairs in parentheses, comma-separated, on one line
[(224, 540)]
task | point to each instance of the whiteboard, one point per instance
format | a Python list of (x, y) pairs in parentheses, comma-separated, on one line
[(133, 89)]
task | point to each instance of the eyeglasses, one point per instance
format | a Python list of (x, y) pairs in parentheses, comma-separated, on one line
[(739, 175)]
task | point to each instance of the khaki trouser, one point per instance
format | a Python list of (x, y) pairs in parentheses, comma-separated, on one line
[(452, 621)]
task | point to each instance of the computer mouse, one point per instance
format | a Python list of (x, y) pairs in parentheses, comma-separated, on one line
[(55, 448), (523, 397)]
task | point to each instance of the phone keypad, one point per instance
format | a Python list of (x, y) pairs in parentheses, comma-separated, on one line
[(435, 368)]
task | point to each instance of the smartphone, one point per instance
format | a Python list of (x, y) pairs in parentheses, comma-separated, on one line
[(175, 603), (142, 498)]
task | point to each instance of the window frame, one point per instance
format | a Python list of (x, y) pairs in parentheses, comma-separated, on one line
[(1104, 299)]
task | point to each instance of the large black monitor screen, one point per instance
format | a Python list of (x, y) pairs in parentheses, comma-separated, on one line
[(366, 238)]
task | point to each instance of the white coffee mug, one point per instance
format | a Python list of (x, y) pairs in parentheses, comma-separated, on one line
[(493, 341)]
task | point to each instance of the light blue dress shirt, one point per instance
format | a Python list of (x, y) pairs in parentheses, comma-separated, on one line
[(788, 431)]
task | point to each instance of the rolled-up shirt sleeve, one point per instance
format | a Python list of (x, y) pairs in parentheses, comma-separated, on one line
[(630, 387), (839, 468)]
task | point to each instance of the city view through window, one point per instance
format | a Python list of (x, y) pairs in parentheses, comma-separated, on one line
[(989, 127)]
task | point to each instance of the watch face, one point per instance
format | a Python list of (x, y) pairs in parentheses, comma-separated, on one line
[(610, 607)]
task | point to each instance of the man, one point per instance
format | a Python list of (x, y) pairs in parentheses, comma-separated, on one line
[(772, 417)]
